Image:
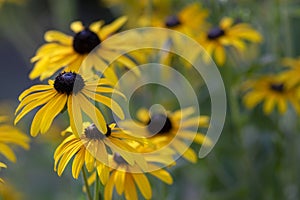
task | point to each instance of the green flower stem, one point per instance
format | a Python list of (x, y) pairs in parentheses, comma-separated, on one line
[(96, 189), (88, 192)]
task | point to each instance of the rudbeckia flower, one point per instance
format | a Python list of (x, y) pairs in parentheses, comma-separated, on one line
[(162, 130), (11, 136), (227, 34), (91, 149), (188, 20), (291, 75), (273, 91), (70, 90), (70, 51), (125, 178)]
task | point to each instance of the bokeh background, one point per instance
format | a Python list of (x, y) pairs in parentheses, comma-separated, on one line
[(259, 160)]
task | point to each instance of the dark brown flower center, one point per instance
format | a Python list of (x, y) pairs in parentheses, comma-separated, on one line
[(119, 159), (85, 41), (279, 87), (92, 132), (215, 33), (65, 83), (159, 123), (172, 21)]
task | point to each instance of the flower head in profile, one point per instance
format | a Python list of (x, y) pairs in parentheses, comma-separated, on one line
[(9, 137), (127, 178), (273, 91), (171, 130), (68, 52), (227, 34), (70, 90), (92, 148)]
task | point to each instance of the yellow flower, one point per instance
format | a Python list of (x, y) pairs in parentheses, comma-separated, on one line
[(227, 34), (91, 148), (291, 75), (125, 178), (162, 130), (273, 91), (64, 50), (10, 136), (8, 192), (189, 20), (72, 90)]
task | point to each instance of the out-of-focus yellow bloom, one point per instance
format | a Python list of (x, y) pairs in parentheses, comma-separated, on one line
[(125, 178), (68, 52), (291, 75), (163, 130), (10, 136), (189, 20), (228, 34), (8, 192), (74, 91), (274, 91), (91, 148)]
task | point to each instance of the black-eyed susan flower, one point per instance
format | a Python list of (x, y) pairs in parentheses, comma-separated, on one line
[(190, 19), (163, 130), (92, 149), (293, 69), (10, 136), (65, 51), (273, 91), (227, 34), (125, 178), (71, 90)]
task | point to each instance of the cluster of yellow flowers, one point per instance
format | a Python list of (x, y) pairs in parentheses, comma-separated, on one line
[(118, 158)]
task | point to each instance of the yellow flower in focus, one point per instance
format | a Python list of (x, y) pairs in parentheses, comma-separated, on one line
[(64, 50), (72, 90), (163, 130), (91, 148), (125, 178), (273, 91), (227, 34)]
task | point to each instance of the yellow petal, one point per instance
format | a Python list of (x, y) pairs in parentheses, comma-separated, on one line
[(74, 112), (119, 181), (143, 184), (56, 36), (78, 163), (76, 26), (163, 175), (109, 187), (220, 55), (7, 152), (130, 189), (109, 29), (93, 112)]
